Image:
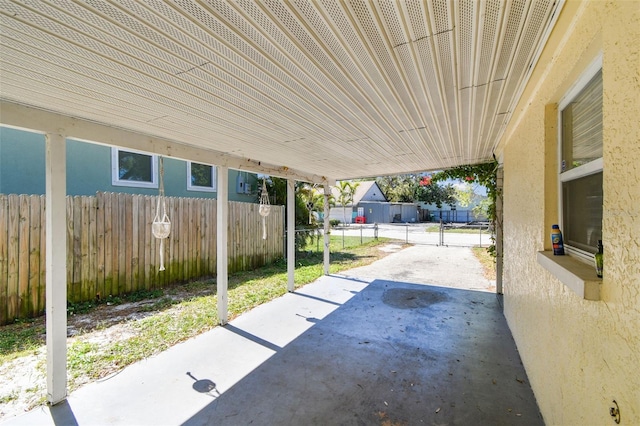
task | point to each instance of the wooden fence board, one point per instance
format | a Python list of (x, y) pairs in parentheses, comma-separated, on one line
[(122, 245), (43, 255), (142, 238), (111, 250), (174, 254), (100, 246), (115, 245), (13, 238), (108, 244), (34, 254), (150, 254), (85, 252), (76, 280), (24, 256), (92, 204), (189, 233), (214, 244), (134, 242), (4, 256), (184, 236), (128, 238)]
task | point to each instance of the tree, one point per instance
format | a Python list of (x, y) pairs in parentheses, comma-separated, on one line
[(483, 174), (277, 190), (313, 200), (346, 191), (399, 188), (432, 193)]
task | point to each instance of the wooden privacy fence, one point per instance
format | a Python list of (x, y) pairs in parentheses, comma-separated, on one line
[(111, 251)]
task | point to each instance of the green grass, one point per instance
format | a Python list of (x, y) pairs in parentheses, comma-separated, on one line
[(488, 262), (175, 321), (21, 338), (76, 308), (436, 228), (337, 242)]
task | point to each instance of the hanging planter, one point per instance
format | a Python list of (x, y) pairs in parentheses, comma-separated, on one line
[(265, 208), (161, 226)]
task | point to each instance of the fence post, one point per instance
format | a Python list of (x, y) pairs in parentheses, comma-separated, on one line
[(406, 233), (360, 234), (441, 234)]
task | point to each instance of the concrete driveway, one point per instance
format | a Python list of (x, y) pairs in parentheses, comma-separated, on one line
[(378, 345)]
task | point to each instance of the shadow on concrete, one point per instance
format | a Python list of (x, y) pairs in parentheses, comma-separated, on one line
[(320, 299), (396, 353), (204, 385), (62, 414), (252, 337)]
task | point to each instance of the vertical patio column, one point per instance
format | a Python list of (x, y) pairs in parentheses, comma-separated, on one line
[(498, 230), (291, 233), (222, 252), (56, 267), (327, 229)]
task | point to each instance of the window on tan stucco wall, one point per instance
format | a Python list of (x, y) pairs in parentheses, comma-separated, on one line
[(581, 163)]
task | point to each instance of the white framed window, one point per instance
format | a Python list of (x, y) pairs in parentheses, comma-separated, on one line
[(581, 164), (243, 183), (134, 168), (201, 177)]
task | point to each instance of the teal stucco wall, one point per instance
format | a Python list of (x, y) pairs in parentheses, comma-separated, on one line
[(22, 170)]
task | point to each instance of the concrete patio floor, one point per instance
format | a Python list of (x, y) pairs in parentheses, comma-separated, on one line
[(348, 350)]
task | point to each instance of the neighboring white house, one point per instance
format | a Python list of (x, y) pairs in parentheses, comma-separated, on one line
[(371, 203)]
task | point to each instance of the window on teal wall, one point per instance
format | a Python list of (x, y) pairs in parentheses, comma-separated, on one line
[(133, 168), (201, 177), (581, 163)]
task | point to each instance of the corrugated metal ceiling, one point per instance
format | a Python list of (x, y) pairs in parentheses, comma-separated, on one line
[(335, 88)]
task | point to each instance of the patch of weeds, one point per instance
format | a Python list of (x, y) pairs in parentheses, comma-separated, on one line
[(113, 300), (196, 286), (38, 402), (18, 339), (77, 308), (11, 396), (35, 389), (139, 295), (160, 305), (82, 358), (487, 260)]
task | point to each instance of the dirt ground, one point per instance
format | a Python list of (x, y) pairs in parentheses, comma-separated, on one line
[(23, 380)]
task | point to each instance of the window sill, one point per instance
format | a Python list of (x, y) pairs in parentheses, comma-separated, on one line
[(577, 275)]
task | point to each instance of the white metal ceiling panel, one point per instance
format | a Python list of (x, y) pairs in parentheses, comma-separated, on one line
[(336, 88)]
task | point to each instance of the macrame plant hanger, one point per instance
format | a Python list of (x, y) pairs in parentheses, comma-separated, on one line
[(161, 226), (265, 208)]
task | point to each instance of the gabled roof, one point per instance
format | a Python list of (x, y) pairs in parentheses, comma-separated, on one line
[(368, 189)]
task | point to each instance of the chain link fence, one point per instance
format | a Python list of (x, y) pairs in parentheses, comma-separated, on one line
[(438, 234)]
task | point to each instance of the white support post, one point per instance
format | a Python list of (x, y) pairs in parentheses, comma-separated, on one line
[(56, 268), (291, 233), (222, 255), (327, 229), (498, 230)]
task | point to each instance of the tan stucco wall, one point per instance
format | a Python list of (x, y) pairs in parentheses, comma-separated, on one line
[(579, 355)]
